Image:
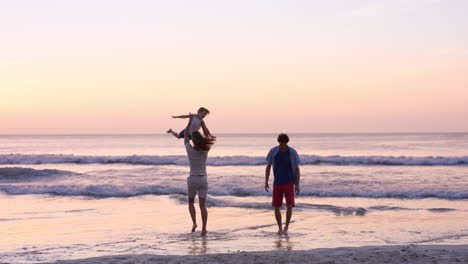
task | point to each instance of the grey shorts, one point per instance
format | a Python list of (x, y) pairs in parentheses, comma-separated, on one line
[(197, 184)]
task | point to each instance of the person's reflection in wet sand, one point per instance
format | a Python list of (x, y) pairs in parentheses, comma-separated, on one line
[(198, 246), (284, 243)]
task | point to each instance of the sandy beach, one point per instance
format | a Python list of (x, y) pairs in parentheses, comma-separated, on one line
[(384, 254)]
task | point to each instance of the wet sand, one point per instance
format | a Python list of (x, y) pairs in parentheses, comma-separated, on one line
[(384, 254)]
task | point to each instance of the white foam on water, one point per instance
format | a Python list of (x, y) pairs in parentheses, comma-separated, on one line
[(182, 160)]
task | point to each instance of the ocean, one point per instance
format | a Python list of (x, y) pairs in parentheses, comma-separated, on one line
[(75, 196)]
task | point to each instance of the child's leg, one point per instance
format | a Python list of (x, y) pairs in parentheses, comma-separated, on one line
[(182, 134), (170, 131)]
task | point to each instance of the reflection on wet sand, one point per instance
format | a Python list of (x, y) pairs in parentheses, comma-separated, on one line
[(284, 243), (198, 246)]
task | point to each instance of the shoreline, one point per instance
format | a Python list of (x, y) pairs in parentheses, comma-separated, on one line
[(368, 254)]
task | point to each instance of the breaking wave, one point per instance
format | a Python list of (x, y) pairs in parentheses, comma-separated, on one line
[(231, 160), (128, 190)]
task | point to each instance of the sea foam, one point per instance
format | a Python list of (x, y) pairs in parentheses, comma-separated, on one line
[(182, 160), (129, 190)]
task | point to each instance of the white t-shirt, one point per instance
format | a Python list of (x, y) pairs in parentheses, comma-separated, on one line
[(196, 124), (197, 160)]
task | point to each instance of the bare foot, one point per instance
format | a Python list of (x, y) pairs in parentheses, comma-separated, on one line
[(170, 130), (280, 232), (194, 227), (285, 231), (203, 232)]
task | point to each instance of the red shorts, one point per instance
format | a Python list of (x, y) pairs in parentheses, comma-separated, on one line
[(279, 190)]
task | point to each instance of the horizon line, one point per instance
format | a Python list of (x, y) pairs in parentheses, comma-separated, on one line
[(230, 133)]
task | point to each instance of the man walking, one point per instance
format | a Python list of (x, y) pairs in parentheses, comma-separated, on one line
[(287, 175)]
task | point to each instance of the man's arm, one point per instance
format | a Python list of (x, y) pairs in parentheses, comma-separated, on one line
[(298, 180), (267, 176), (186, 133)]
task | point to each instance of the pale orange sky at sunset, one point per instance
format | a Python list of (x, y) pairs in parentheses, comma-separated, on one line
[(269, 66)]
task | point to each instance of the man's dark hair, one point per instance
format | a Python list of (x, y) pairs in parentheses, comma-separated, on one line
[(283, 138)]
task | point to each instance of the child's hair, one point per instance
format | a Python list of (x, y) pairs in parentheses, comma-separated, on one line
[(283, 138), (203, 109), (201, 142)]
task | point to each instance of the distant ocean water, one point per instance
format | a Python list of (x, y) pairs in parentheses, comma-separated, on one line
[(75, 186)]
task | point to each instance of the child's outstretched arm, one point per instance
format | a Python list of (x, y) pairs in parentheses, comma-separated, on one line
[(183, 116), (186, 134), (205, 130)]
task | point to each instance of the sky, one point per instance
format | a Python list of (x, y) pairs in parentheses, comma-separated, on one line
[(259, 66)]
